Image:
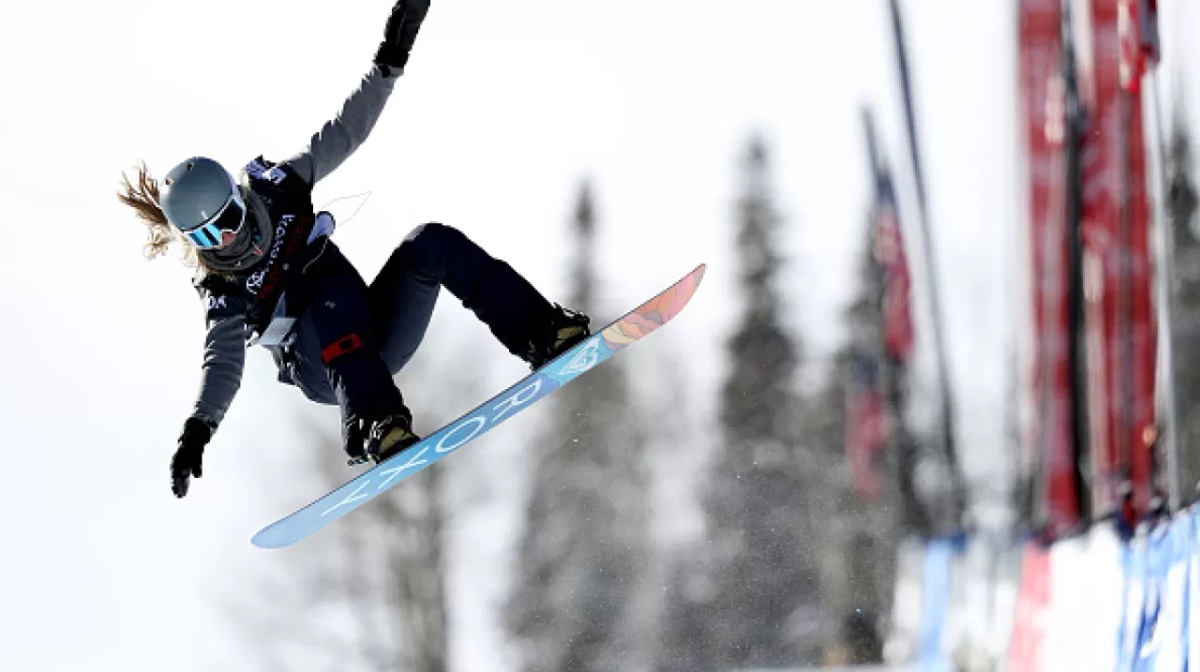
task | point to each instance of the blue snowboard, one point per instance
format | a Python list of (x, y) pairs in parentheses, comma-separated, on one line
[(565, 368)]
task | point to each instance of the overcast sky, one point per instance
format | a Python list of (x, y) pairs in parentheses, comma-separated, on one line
[(504, 109)]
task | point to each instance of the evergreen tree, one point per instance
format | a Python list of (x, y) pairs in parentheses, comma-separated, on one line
[(1185, 294), (584, 547), (686, 620), (762, 582)]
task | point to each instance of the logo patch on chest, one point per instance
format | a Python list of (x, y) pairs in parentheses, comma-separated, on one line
[(289, 237)]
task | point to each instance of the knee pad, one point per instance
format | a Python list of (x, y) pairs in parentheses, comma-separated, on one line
[(341, 347)]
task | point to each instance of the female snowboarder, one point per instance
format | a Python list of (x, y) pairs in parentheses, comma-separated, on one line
[(269, 274)]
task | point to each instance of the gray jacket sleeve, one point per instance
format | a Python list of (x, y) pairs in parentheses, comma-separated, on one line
[(339, 137), (221, 377)]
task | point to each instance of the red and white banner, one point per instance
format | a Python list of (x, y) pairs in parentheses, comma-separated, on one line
[(1043, 109), (1118, 267)]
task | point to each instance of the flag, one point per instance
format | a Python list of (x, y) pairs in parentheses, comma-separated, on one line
[(866, 423), (896, 281)]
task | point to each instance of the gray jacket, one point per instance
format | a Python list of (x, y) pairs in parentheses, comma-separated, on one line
[(225, 344)]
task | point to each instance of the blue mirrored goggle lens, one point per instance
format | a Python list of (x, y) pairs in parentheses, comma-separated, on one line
[(208, 235)]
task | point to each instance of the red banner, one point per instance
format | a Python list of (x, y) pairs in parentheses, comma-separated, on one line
[(1043, 107), (1118, 266)]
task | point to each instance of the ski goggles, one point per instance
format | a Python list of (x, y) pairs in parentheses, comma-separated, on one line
[(229, 219)]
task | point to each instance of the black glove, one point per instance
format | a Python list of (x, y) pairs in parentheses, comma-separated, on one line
[(186, 462), (400, 33)]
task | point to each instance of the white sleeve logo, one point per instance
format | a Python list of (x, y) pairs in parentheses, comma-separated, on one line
[(258, 169)]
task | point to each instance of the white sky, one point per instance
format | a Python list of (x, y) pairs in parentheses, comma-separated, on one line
[(505, 107)]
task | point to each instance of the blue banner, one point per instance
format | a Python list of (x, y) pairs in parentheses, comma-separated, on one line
[(1134, 604), (1164, 625), (1192, 617), (939, 559)]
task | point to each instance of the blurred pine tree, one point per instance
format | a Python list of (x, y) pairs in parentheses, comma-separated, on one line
[(584, 550), (752, 596)]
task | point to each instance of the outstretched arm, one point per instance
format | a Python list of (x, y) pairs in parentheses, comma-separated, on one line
[(224, 358), (221, 377), (341, 136)]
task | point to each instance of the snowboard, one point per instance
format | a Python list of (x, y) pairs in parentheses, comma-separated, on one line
[(571, 364)]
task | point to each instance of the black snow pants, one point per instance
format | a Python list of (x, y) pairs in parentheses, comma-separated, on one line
[(350, 338)]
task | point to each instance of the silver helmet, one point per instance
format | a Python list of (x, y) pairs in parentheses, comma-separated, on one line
[(202, 200)]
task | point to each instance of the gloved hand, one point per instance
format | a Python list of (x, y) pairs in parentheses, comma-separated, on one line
[(188, 456), (400, 33)]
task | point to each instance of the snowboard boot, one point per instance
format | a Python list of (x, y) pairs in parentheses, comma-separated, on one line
[(566, 329), (390, 436), (354, 441)]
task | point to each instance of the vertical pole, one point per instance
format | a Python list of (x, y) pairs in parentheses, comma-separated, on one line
[(958, 490), (1077, 327)]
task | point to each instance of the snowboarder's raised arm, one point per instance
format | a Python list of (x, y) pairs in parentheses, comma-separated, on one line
[(341, 136)]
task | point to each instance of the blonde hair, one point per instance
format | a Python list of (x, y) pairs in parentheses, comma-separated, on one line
[(142, 195)]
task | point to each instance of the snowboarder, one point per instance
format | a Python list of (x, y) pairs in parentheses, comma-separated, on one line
[(269, 274)]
